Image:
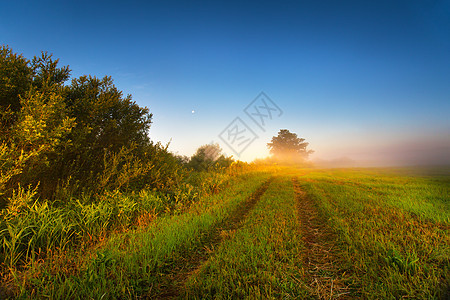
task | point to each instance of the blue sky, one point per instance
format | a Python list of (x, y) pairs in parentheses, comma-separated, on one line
[(368, 80)]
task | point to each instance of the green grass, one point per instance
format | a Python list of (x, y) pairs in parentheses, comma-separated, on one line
[(260, 260), (389, 229), (132, 264), (393, 229), (424, 196)]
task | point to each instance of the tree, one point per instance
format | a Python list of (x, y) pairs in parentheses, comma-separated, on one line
[(47, 75), (51, 132), (288, 147), (18, 75), (207, 157), (106, 121), (15, 78), (33, 119)]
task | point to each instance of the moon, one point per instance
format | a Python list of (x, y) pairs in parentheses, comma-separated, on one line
[(193, 111)]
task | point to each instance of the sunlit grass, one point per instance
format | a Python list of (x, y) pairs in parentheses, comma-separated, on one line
[(262, 259), (394, 229), (391, 229), (130, 264)]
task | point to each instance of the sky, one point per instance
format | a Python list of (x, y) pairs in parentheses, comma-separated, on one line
[(366, 81)]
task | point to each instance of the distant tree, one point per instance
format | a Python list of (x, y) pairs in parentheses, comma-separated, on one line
[(288, 147), (207, 157), (182, 159)]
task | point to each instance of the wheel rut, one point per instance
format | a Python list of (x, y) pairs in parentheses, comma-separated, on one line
[(323, 276), (173, 286)]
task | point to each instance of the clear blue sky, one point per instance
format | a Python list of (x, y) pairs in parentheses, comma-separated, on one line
[(369, 80)]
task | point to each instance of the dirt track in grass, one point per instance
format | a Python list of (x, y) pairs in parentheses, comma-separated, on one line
[(320, 258), (172, 285)]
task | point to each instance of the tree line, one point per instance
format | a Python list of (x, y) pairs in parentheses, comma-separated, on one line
[(81, 134)]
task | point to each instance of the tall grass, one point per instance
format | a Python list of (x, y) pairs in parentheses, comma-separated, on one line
[(392, 232), (131, 264), (32, 229)]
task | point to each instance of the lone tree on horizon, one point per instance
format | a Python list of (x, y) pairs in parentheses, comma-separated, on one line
[(288, 147)]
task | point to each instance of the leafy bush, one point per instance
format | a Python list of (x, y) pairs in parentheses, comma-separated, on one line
[(209, 157), (64, 132)]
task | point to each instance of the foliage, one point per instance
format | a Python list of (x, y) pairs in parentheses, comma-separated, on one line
[(65, 134), (208, 157), (41, 127), (15, 79), (131, 263), (106, 122), (288, 147), (47, 75)]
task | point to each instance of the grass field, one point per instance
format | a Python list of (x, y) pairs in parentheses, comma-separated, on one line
[(285, 234), (391, 230)]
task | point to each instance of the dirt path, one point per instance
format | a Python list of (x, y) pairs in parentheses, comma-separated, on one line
[(173, 284), (323, 275)]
